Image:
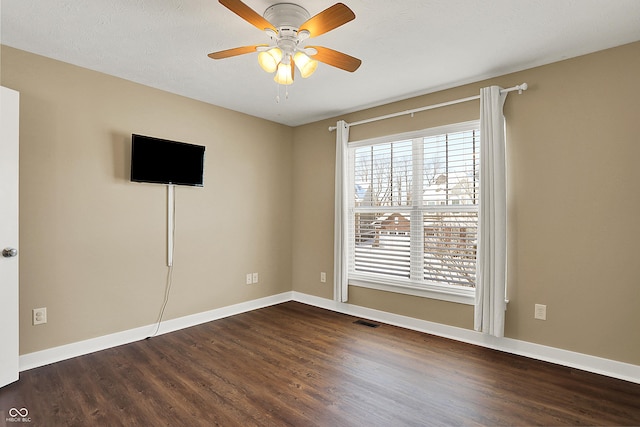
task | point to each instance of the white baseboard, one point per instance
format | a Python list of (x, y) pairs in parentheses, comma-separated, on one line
[(611, 368), (598, 365), (57, 354)]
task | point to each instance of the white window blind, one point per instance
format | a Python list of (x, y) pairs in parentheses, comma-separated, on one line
[(413, 209)]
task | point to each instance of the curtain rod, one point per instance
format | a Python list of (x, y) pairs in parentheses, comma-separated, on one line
[(519, 88)]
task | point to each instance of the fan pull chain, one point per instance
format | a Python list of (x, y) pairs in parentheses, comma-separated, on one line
[(286, 93)]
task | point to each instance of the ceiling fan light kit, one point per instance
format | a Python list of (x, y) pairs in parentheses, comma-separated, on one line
[(270, 59), (306, 65), (284, 74), (288, 25)]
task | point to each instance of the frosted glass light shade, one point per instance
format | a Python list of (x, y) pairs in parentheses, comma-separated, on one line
[(284, 74), (270, 59), (306, 65)]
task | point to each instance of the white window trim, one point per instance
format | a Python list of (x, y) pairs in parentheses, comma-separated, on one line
[(433, 291), (450, 293)]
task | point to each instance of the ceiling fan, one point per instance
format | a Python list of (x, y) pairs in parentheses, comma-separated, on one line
[(288, 26)]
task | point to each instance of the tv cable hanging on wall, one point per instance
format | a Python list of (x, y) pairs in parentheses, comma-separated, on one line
[(171, 234)]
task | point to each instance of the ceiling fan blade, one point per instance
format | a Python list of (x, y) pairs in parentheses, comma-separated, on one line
[(248, 14), (235, 51), (328, 19), (336, 59)]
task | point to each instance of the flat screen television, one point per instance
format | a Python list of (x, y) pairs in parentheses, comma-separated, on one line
[(162, 161)]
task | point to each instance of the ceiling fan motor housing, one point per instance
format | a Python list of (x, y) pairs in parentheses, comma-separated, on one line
[(286, 17)]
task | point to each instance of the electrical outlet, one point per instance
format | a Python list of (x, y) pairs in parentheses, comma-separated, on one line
[(323, 277), (39, 315), (255, 277), (249, 279), (540, 312)]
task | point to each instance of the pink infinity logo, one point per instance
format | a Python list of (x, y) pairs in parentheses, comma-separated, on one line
[(22, 412)]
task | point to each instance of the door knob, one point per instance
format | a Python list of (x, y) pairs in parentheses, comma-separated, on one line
[(9, 252)]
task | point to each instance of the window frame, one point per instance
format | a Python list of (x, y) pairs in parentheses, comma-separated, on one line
[(451, 293)]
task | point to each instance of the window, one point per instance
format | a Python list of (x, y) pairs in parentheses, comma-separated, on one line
[(413, 212)]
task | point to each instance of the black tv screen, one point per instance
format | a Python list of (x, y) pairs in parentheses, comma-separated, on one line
[(161, 161)]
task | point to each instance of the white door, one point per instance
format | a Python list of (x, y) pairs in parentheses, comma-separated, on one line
[(9, 116)]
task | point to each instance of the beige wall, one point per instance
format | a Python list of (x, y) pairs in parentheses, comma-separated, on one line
[(574, 203), (93, 244)]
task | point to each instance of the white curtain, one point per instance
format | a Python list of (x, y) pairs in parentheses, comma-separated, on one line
[(490, 302), (340, 225)]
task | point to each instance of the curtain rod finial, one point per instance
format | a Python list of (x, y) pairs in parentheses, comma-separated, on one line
[(522, 87)]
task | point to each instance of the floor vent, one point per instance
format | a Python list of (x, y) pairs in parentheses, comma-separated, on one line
[(365, 323)]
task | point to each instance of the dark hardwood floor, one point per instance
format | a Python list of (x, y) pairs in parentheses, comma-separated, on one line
[(297, 365)]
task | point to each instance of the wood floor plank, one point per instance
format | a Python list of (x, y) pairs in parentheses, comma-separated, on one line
[(298, 365)]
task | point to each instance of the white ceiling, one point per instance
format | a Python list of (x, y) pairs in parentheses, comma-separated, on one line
[(407, 47)]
